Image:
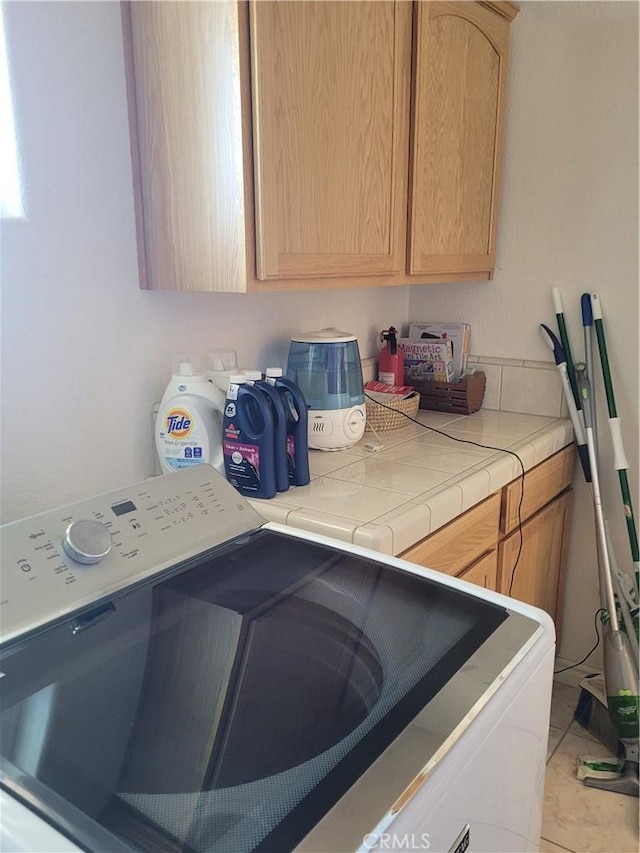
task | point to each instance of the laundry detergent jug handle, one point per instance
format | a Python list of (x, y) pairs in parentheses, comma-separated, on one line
[(218, 401)]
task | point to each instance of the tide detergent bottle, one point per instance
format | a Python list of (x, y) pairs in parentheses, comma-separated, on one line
[(279, 413), (248, 444), (297, 425), (189, 421)]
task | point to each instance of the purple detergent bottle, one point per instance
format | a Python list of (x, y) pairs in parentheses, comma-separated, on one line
[(297, 425), (247, 439)]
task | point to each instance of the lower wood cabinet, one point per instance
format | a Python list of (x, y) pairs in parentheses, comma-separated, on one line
[(514, 548), (538, 574), (484, 572), (541, 484), (456, 545)]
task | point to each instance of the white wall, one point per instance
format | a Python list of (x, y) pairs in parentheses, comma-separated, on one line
[(85, 353), (570, 219)]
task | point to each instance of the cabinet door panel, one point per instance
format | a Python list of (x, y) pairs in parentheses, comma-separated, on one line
[(330, 87), (183, 84), (538, 576), (484, 572), (458, 104)]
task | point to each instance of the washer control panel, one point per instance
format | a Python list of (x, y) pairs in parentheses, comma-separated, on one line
[(57, 562)]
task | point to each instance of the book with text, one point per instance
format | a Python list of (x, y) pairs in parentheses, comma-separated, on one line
[(458, 333), (425, 359)]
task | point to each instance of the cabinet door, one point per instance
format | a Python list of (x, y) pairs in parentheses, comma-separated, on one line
[(484, 572), (538, 576), (541, 484), (330, 92), (459, 92), (183, 86)]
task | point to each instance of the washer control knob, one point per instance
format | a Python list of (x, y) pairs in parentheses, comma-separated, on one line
[(87, 541)]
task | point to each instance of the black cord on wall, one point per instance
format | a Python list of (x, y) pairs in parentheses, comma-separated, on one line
[(515, 565)]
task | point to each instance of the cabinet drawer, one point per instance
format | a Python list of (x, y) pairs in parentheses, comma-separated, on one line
[(453, 548), (541, 484), (484, 572)]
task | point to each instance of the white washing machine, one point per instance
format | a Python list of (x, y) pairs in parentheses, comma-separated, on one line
[(178, 674)]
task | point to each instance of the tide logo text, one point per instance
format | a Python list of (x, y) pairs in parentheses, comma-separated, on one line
[(179, 423)]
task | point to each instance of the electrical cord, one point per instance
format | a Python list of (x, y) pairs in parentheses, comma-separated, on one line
[(515, 565), (591, 651), (485, 447)]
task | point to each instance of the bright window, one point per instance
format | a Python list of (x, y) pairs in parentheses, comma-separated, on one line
[(11, 204)]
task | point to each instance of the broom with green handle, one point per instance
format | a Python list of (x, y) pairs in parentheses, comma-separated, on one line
[(564, 338), (625, 600), (627, 585), (605, 575), (620, 672), (587, 330), (576, 418), (620, 463)]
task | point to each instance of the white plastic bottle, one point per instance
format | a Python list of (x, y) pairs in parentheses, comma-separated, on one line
[(189, 422)]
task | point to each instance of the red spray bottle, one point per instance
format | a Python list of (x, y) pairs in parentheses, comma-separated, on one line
[(391, 359)]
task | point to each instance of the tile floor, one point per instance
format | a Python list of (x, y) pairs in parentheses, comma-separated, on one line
[(576, 818)]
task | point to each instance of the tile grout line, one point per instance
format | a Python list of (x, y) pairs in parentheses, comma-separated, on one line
[(555, 748)]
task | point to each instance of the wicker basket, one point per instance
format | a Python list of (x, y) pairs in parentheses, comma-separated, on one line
[(462, 398), (382, 417)]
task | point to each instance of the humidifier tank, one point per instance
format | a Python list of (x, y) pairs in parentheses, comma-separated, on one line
[(326, 367)]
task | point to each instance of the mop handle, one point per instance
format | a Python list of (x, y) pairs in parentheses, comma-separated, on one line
[(564, 337), (620, 458), (561, 363), (587, 330), (620, 463), (604, 565)]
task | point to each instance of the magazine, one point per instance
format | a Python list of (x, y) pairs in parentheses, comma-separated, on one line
[(426, 359), (458, 333)]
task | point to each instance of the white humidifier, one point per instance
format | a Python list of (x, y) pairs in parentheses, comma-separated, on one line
[(326, 367)]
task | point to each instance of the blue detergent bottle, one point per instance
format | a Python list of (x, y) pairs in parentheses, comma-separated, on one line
[(248, 439), (297, 425), (279, 412)]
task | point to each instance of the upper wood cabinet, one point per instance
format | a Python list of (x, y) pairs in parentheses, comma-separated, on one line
[(330, 86), (459, 91), (183, 86), (280, 144)]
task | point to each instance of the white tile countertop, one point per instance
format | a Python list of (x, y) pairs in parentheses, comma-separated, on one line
[(419, 480)]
